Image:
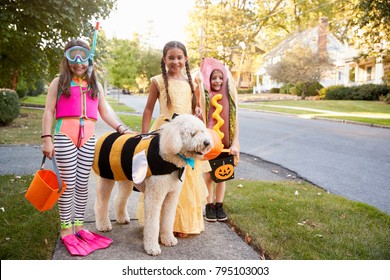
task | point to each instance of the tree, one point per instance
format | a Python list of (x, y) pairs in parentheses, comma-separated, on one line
[(217, 27), (299, 65), (372, 18), (122, 63), (33, 32)]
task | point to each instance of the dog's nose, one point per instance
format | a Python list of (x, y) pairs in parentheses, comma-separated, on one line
[(206, 143)]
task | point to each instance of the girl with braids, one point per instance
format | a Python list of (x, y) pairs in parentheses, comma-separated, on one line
[(75, 99), (176, 94)]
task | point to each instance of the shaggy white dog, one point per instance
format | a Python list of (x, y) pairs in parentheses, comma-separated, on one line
[(181, 139)]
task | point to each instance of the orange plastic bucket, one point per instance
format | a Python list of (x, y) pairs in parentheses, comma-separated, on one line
[(45, 188)]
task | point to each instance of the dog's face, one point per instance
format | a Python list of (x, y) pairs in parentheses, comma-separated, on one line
[(186, 135)]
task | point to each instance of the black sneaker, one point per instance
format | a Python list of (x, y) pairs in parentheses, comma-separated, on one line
[(220, 213), (210, 213)]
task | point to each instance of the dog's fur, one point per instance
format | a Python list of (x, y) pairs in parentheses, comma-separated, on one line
[(185, 135)]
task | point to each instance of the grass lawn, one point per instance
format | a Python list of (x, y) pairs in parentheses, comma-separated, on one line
[(25, 233), (298, 221), (371, 112), (24, 130)]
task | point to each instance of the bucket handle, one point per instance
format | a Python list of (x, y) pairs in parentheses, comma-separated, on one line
[(55, 167)]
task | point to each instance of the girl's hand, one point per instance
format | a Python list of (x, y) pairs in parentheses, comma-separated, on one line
[(48, 148), (128, 131), (235, 151), (198, 112)]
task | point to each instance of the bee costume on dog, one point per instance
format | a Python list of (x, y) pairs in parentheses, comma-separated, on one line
[(130, 157)]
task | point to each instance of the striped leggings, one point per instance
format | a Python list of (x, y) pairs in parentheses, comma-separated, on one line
[(74, 165)]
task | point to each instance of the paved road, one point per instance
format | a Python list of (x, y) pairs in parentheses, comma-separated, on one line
[(346, 159)]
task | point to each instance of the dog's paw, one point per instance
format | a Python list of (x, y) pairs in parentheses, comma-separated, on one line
[(168, 240), (153, 250), (123, 220), (104, 228)]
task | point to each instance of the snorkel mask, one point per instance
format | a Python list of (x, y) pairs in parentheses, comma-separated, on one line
[(77, 55)]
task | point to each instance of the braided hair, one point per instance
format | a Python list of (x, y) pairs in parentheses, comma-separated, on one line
[(167, 47)]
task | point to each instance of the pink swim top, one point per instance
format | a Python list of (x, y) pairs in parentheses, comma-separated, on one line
[(79, 103), (76, 115)]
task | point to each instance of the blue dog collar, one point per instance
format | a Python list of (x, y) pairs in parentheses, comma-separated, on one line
[(189, 161)]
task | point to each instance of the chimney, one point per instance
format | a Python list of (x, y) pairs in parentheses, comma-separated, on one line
[(322, 38)]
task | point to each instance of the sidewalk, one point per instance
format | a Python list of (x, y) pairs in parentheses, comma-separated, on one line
[(217, 242)]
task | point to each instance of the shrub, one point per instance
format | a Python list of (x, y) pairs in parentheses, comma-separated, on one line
[(21, 88), (295, 91), (274, 90), (246, 90), (370, 92), (9, 106), (363, 92), (286, 88), (385, 99), (338, 93), (37, 89), (322, 92), (312, 89)]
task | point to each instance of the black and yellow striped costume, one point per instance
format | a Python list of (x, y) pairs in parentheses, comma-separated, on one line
[(114, 156)]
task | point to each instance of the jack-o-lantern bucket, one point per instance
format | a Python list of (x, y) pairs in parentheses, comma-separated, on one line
[(217, 147), (222, 168)]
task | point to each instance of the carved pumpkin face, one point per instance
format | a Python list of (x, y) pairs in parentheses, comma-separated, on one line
[(216, 149), (224, 172)]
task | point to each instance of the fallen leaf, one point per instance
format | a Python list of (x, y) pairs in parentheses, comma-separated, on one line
[(247, 239)]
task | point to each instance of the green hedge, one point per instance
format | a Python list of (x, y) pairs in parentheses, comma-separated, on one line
[(362, 92), (9, 106)]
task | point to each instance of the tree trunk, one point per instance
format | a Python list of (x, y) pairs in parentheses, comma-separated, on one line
[(15, 79), (305, 89)]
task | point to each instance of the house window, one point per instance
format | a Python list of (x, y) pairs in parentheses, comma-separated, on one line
[(369, 73), (339, 75)]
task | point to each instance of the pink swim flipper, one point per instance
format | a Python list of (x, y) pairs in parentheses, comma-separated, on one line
[(94, 240), (76, 246)]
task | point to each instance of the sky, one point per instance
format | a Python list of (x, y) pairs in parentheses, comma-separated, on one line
[(167, 18)]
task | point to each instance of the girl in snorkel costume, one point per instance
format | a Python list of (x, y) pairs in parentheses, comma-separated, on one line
[(75, 99)]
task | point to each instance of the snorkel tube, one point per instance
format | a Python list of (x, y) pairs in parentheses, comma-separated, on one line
[(90, 65)]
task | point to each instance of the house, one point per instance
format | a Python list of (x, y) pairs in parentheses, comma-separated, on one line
[(242, 70), (347, 68)]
